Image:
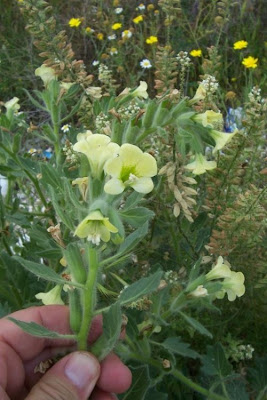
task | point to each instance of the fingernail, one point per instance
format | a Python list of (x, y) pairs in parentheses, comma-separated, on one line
[(82, 370)]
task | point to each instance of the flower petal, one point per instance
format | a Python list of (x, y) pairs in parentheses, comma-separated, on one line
[(146, 166), (143, 185), (110, 226), (114, 186), (113, 167), (130, 154), (104, 233)]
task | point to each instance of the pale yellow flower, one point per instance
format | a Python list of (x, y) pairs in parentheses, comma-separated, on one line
[(75, 22), (200, 291), (95, 227), (51, 297), (241, 44), (250, 62), (200, 165), (221, 138), (82, 185), (200, 94), (47, 74), (233, 286), (100, 36), (196, 53), (220, 270), (141, 90), (12, 105), (209, 118), (131, 168), (98, 149)]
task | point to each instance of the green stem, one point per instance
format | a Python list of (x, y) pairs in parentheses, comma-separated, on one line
[(88, 299), (177, 374)]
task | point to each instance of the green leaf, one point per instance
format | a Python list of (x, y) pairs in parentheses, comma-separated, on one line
[(215, 363), (44, 272), (140, 288), (60, 210), (196, 325), (132, 200), (153, 394), (140, 384), (133, 239), (174, 345), (111, 332), (50, 176), (72, 196), (137, 216), (38, 330)]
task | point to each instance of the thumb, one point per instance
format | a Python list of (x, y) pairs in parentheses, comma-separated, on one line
[(72, 378)]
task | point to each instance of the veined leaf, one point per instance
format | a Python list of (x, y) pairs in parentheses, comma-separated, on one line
[(137, 216), (196, 325), (44, 272), (176, 346), (139, 386), (131, 241), (140, 288), (38, 330)]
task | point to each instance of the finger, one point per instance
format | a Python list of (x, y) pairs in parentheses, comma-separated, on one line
[(72, 378), (115, 376), (26, 346), (53, 317), (101, 395), (11, 371)]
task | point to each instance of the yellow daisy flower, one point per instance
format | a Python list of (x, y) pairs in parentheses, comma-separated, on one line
[(75, 22), (138, 19), (241, 44), (100, 36), (196, 53), (250, 62), (116, 26), (152, 40)]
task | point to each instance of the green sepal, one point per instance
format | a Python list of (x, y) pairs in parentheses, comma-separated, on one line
[(75, 310), (75, 262)]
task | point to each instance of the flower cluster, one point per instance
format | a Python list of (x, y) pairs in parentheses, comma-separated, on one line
[(126, 165), (183, 59)]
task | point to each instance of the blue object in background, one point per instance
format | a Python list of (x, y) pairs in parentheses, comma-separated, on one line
[(47, 153), (233, 119)]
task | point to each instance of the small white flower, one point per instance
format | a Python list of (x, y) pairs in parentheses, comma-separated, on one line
[(112, 37), (118, 10), (141, 7), (126, 34), (113, 51), (95, 63), (65, 128), (145, 63)]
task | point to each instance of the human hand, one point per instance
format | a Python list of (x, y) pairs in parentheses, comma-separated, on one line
[(75, 377)]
